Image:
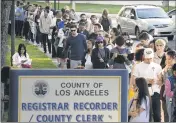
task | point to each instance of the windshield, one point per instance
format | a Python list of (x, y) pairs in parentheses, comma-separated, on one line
[(151, 13)]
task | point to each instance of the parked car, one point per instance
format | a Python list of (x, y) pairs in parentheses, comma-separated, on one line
[(137, 18), (172, 15)]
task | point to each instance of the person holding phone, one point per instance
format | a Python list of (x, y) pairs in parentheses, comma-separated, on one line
[(21, 58)]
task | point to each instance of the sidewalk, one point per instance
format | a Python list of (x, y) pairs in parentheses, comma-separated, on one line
[(54, 60)]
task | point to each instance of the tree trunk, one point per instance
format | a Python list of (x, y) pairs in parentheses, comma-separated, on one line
[(5, 12)]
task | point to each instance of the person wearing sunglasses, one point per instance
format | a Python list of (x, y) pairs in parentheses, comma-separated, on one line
[(100, 54), (78, 47)]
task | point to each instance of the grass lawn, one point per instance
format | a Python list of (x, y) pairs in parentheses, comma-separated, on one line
[(39, 59), (93, 8)]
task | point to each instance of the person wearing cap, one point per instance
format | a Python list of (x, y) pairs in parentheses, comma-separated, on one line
[(150, 71), (100, 54), (159, 54), (77, 44)]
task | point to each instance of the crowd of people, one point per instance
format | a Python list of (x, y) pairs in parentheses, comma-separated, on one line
[(80, 43)]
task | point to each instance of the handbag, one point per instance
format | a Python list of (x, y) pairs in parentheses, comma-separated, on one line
[(26, 66), (129, 117), (105, 64)]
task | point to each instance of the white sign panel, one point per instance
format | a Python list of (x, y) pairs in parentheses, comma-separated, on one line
[(69, 99)]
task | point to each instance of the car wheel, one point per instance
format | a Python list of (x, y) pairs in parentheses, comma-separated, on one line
[(137, 32), (119, 29)]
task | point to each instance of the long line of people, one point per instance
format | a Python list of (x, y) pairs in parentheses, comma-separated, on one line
[(80, 43)]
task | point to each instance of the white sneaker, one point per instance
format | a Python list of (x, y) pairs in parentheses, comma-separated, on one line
[(35, 44)]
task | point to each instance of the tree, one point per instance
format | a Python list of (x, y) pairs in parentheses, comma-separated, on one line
[(5, 12)]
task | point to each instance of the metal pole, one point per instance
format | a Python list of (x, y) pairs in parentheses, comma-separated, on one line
[(58, 5), (73, 4), (1, 118), (12, 30), (55, 5), (168, 5)]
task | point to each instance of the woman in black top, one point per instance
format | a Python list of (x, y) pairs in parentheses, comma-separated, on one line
[(100, 55)]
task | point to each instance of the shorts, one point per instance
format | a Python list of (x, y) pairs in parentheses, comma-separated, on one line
[(60, 52)]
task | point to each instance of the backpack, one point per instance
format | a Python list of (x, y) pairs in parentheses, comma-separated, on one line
[(121, 58), (105, 23)]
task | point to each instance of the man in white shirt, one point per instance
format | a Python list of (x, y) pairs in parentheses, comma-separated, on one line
[(150, 71), (45, 23)]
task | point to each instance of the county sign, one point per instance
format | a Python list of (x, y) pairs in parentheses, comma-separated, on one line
[(68, 95)]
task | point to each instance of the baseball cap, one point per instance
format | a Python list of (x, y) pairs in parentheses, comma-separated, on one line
[(148, 53), (99, 39)]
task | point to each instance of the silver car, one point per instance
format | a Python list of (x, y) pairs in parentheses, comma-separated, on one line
[(137, 18)]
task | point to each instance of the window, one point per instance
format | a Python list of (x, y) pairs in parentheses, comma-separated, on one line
[(133, 13), (126, 13), (151, 13), (121, 14)]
